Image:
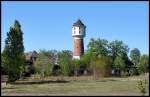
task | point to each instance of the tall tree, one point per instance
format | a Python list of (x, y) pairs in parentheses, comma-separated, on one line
[(143, 65), (119, 65), (135, 55), (64, 60), (118, 52), (43, 66), (14, 52), (98, 47), (117, 48), (101, 66), (76, 65), (65, 53)]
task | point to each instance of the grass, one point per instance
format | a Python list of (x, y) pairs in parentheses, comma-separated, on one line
[(82, 86)]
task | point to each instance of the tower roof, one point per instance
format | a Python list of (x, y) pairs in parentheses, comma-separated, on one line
[(78, 23)]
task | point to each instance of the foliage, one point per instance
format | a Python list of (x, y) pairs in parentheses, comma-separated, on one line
[(3, 65), (101, 66), (86, 59), (14, 53), (65, 53), (142, 85), (135, 56), (143, 65), (58, 62), (117, 48), (98, 47), (119, 66), (43, 65), (65, 66), (119, 63), (76, 65), (118, 52), (51, 55), (64, 60)]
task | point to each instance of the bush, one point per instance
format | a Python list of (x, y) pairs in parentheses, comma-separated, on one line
[(65, 66), (142, 84), (43, 69), (101, 66), (134, 71)]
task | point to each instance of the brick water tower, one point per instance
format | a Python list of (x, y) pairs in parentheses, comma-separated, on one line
[(78, 33)]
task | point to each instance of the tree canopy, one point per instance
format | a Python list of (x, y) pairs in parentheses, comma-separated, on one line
[(14, 52), (135, 55)]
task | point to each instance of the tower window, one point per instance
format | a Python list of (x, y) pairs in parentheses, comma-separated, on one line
[(74, 30)]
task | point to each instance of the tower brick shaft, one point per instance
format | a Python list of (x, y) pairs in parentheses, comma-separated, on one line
[(78, 47)]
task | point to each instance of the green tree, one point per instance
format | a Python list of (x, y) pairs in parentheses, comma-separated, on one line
[(65, 53), (128, 65), (135, 56), (64, 60), (3, 65), (118, 51), (14, 52), (142, 86), (51, 54), (143, 65), (119, 65), (101, 66), (117, 48), (65, 66), (43, 65), (98, 47), (76, 65)]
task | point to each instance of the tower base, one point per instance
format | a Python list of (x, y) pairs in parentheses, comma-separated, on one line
[(76, 57)]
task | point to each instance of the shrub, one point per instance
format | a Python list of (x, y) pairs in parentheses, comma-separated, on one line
[(101, 66), (142, 86)]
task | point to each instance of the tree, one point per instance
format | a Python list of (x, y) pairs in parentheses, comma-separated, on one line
[(143, 65), (76, 65), (128, 65), (51, 54), (142, 86), (135, 55), (118, 51), (85, 62), (117, 48), (135, 58), (119, 65), (14, 52), (3, 65), (64, 60), (101, 66), (65, 53), (65, 66), (43, 64), (99, 47)]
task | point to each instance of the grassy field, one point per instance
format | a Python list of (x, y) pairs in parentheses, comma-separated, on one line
[(82, 86)]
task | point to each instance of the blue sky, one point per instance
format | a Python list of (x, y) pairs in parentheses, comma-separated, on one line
[(47, 25)]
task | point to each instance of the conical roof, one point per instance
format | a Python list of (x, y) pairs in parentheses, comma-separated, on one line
[(78, 23)]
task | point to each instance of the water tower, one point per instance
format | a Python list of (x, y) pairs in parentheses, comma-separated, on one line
[(78, 33)]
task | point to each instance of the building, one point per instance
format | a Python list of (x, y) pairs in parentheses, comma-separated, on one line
[(30, 59), (78, 34)]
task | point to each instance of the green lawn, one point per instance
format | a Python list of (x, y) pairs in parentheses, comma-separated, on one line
[(105, 86)]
